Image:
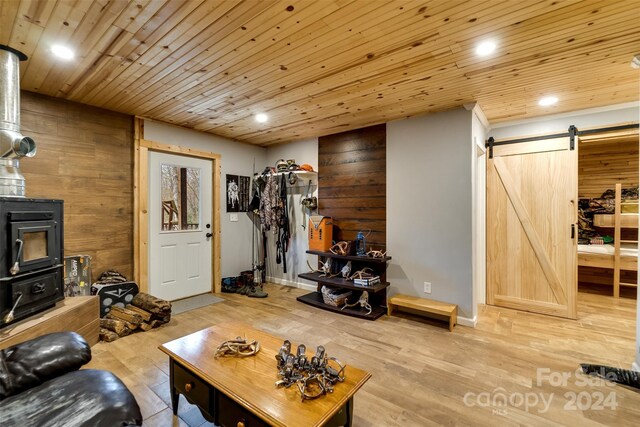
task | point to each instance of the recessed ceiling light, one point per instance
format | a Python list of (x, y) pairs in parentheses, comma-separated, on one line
[(62, 52), (261, 118), (485, 48), (548, 100)]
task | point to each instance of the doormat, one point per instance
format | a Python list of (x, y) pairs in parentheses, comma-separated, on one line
[(192, 303)]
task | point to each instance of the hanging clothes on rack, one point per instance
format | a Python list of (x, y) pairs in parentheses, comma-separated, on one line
[(269, 202), (282, 243)]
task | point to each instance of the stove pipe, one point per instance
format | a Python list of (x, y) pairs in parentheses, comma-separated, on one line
[(13, 145)]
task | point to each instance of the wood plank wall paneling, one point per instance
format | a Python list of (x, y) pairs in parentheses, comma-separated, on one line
[(603, 163), (84, 157), (352, 183)]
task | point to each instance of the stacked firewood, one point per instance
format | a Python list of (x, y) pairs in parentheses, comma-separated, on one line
[(144, 313), (111, 276)]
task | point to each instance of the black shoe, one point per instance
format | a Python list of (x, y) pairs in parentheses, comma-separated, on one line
[(229, 285)]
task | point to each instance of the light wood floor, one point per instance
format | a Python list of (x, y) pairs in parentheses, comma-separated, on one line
[(421, 371)]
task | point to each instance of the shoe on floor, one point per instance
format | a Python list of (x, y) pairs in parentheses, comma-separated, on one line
[(229, 285), (257, 293)]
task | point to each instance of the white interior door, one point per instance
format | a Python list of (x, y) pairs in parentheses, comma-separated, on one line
[(180, 226)]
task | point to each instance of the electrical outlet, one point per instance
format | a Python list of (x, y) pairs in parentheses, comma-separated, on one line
[(427, 287)]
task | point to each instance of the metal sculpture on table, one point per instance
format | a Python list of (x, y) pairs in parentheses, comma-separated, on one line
[(315, 377)]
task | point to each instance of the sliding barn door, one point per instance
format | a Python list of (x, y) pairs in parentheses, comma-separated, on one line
[(531, 214)]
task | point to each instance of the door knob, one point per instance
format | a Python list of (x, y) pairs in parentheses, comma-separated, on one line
[(209, 235)]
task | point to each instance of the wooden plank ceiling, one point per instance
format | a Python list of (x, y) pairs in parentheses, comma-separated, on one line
[(325, 66)]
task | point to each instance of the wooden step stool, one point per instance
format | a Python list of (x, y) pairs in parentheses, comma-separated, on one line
[(424, 306)]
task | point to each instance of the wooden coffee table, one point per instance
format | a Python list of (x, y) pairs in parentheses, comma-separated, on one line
[(241, 392)]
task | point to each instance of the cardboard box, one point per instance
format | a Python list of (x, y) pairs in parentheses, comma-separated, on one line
[(320, 232), (77, 275)]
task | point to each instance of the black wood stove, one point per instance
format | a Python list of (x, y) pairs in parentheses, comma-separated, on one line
[(31, 256), (31, 230)]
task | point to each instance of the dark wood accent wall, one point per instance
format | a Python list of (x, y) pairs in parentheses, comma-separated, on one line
[(603, 163), (352, 176), (84, 157)]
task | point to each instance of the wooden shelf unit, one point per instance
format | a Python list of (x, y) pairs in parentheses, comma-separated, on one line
[(349, 257), (627, 220), (339, 282), (377, 293)]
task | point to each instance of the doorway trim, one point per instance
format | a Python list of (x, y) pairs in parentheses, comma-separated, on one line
[(141, 204)]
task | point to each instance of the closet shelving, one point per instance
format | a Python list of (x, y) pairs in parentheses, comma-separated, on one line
[(616, 256), (631, 219), (608, 160), (377, 293)]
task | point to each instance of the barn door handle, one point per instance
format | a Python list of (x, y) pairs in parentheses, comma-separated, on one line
[(573, 231)]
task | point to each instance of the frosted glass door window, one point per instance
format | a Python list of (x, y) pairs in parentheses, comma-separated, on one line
[(180, 187)]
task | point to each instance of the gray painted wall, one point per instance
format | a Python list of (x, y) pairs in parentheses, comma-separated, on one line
[(479, 175), (237, 159), (303, 152), (430, 197), (429, 207)]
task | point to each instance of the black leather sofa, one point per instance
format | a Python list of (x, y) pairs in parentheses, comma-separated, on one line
[(41, 385)]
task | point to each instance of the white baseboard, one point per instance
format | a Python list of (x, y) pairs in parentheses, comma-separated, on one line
[(291, 283), (465, 321)]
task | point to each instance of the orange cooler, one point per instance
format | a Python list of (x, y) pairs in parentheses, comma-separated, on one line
[(320, 232)]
